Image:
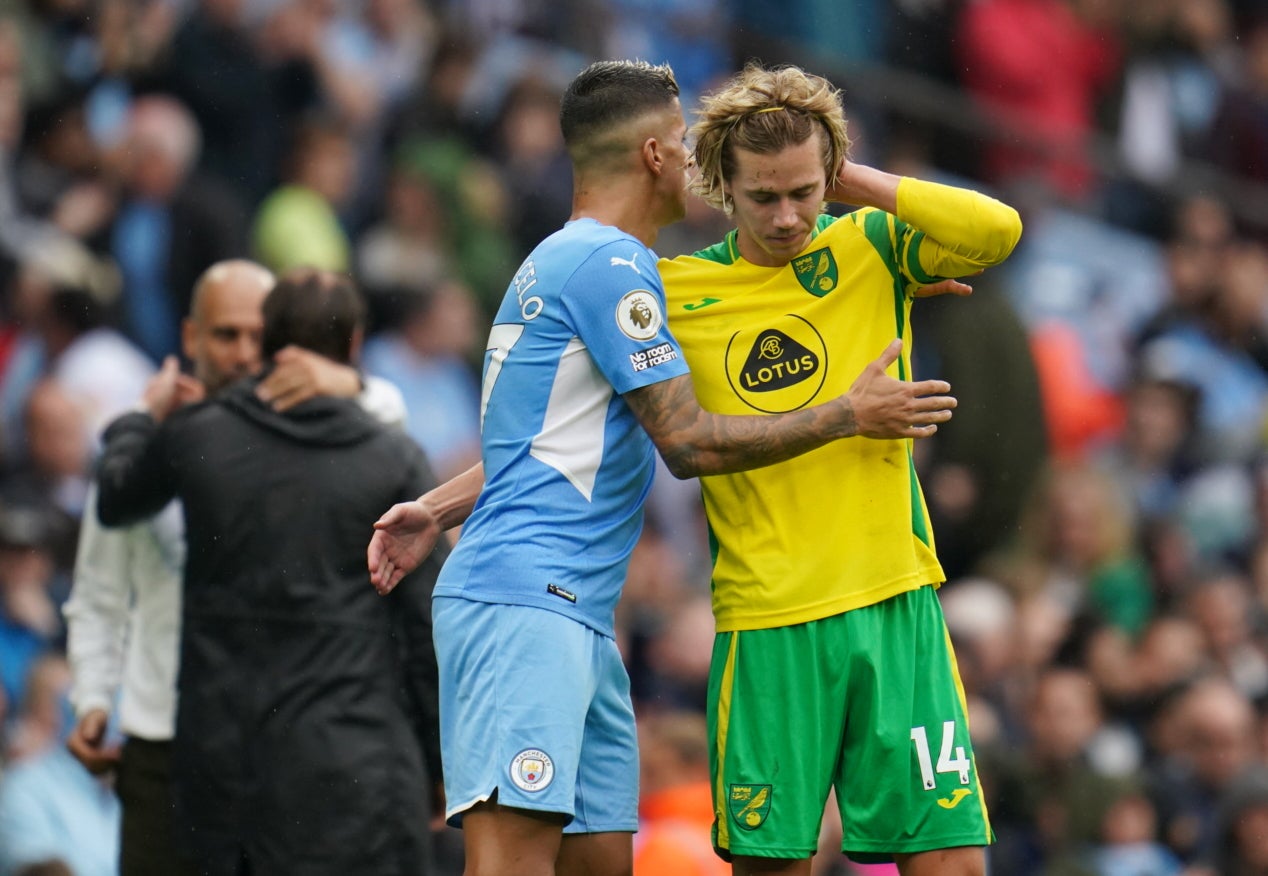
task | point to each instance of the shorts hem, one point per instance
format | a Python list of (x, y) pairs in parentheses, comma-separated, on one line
[(883, 853), (782, 854), (625, 827), (454, 814)]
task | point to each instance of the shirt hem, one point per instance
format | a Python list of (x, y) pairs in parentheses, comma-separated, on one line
[(729, 622)]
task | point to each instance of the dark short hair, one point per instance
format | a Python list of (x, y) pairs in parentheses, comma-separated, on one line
[(609, 93), (314, 309)]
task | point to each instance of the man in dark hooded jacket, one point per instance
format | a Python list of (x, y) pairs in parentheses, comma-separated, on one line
[(306, 725)]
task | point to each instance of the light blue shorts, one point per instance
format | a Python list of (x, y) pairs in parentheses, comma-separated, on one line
[(534, 707)]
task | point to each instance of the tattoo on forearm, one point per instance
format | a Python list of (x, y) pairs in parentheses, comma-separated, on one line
[(695, 442)]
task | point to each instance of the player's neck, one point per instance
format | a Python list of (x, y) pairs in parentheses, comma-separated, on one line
[(620, 203)]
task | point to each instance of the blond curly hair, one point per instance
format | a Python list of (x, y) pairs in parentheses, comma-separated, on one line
[(764, 110)]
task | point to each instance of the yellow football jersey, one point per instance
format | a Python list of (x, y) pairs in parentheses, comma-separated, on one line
[(846, 525)]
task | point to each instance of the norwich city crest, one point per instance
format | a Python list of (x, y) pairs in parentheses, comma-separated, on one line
[(816, 271), (750, 804)]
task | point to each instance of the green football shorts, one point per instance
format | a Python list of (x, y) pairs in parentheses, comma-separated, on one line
[(869, 702)]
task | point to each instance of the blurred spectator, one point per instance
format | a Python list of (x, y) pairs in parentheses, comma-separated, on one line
[(1154, 456), (1136, 679), (59, 452), (678, 654), (1222, 606), (675, 804), (52, 811), (389, 44), (1180, 58), (1128, 845), (689, 35), (171, 224), (23, 236), (1215, 744), (98, 367), (1082, 312), (437, 110), (59, 175), (429, 359), (242, 87), (1239, 134), (436, 134), (29, 624), (409, 247), (40, 723), (1243, 839), (1200, 236), (981, 618), (1077, 543), (1209, 335), (49, 489), (28, 325), (1049, 797), (356, 62), (530, 155), (1039, 67), (476, 203), (298, 224)]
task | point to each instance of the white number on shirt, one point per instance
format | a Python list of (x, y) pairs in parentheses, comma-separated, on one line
[(502, 338)]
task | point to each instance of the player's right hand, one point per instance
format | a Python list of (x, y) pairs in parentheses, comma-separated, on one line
[(886, 407), (403, 538), (87, 743)]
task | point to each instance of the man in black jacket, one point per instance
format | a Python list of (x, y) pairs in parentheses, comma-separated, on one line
[(306, 724)]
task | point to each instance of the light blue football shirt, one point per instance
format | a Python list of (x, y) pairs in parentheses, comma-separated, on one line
[(566, 464)]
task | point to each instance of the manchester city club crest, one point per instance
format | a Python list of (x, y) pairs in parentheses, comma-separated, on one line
[(749, 804), (816, 272), (532, 770)]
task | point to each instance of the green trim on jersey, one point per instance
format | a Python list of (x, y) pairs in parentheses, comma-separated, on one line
[(912, 258), (724, 252), (880, 233), (727, 250), (919, 526)]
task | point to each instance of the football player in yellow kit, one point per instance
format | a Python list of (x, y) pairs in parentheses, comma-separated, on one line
[(831, 667)]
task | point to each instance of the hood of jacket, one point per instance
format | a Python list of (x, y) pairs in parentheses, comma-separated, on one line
[(322, 421)]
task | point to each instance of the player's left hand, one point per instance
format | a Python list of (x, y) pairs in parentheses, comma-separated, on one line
[(300, 374)]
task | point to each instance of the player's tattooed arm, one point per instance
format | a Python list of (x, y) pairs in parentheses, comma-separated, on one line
[(695, 442)]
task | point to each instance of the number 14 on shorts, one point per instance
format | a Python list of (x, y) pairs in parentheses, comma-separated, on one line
[(946, 762)]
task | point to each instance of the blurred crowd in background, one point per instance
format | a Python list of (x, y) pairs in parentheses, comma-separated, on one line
[(1100, 499)]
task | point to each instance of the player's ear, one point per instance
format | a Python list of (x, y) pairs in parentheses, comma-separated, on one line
[(189, 338), (652, 156)]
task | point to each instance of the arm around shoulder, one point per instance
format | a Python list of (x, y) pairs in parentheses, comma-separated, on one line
[(131, 482)]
